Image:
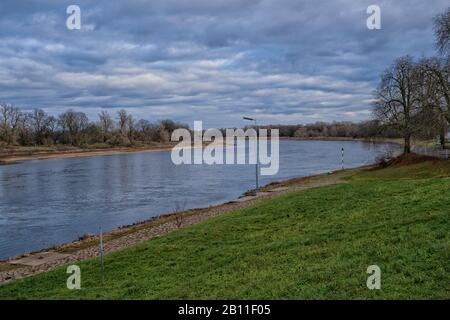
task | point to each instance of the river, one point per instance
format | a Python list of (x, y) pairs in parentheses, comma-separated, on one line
[(50, 202)]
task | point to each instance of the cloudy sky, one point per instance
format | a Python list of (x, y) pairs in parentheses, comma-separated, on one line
[(282, 61)]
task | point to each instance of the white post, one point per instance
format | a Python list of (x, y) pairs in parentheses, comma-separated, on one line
[(342, 158), (257, 157)]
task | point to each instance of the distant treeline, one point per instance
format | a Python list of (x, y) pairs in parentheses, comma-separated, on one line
[(345, 129), (74, 128)]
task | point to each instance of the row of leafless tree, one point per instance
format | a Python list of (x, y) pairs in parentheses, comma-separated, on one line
[(413, 97), (74, 128), (342, 129)]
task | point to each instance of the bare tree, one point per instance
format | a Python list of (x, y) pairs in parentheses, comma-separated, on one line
[(442, 31), (106, 124), (52, 128), (4, 117), (148, 132), (131, 125), (10, 118), (72, 124), (39, 122), (123, 120), (435, 94), (397, 98), (178, 212)]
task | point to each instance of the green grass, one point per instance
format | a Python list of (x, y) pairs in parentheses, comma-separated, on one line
[(315, 244)]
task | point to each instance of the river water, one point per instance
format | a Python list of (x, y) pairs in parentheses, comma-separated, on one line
[(50, 202)]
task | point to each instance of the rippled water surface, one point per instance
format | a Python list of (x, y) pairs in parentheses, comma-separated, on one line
[(44, 203)]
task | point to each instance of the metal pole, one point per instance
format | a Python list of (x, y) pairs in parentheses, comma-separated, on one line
[(257, 157), (257, 152), (101, 256), (342, 150)]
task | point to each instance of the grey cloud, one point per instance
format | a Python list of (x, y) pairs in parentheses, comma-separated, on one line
[(281, 60)]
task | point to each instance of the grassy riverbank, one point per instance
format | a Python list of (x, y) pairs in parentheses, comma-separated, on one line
[(311, 244)]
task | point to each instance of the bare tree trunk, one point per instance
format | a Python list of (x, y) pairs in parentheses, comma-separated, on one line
[(442, 140), (407, 148)]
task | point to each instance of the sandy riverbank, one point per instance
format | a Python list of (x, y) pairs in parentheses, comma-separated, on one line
[(18, 156)]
